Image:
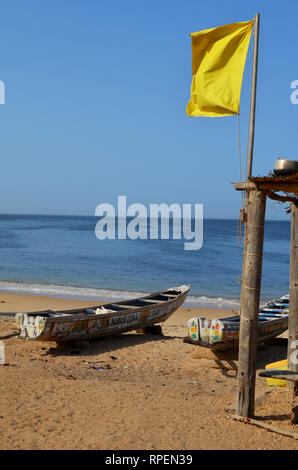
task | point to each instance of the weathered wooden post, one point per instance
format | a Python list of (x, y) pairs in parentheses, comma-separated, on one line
[(293, 311), (250, 300)]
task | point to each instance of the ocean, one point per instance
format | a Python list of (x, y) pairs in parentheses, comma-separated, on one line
[(60, 256)]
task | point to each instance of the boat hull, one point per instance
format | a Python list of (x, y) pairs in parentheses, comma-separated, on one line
[(223, 333), (73, 325)]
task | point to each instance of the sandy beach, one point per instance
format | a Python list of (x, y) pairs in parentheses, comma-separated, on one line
[(155, 393)]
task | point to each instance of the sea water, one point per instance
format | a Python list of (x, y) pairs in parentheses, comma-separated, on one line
[(61, 256)]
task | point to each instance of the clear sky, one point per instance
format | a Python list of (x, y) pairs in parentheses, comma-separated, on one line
[(95, 105)]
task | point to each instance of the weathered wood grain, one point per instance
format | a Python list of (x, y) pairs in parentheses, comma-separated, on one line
[(250, 300)]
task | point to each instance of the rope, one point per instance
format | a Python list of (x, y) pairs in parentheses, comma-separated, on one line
[(242, 216), (239, 146), (253, 254), (251, 288), (248, 127)]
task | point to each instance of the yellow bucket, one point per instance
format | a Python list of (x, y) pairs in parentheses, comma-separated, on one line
[(282, 365)]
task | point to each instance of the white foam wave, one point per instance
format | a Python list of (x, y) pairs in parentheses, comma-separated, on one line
[(204, 301), (52, 290), (90, 293)]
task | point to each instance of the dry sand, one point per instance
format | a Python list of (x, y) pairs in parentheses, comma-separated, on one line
[(157, 393)]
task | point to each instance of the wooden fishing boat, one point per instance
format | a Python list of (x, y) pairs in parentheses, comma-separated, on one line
[(223, 333), (103, 320)]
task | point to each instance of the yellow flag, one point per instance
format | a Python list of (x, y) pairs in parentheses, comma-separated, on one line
[(218, 61)]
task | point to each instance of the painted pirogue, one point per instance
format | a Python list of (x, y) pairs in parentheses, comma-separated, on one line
[(224, 333), (104, 320)]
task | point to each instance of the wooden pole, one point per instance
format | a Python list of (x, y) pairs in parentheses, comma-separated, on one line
[(253, 95), (250, 301), (263, 425), (293, 311)]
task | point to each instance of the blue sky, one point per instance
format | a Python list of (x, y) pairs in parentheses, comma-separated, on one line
[(95, 105)]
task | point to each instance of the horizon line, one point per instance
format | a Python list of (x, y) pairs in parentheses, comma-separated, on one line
[(95, 216)]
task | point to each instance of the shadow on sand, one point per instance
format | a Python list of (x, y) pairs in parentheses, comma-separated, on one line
[(103, 345)]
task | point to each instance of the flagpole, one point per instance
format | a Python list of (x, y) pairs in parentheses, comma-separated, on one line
[(252, 268), (253, 95)]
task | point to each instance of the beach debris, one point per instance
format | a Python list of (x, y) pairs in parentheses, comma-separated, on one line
[(105, 367), (93, 362)]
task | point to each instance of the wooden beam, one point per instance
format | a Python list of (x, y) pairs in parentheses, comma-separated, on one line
[(250, 301), (293, 310), (244, 185), (266, 426), (290, 187)]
